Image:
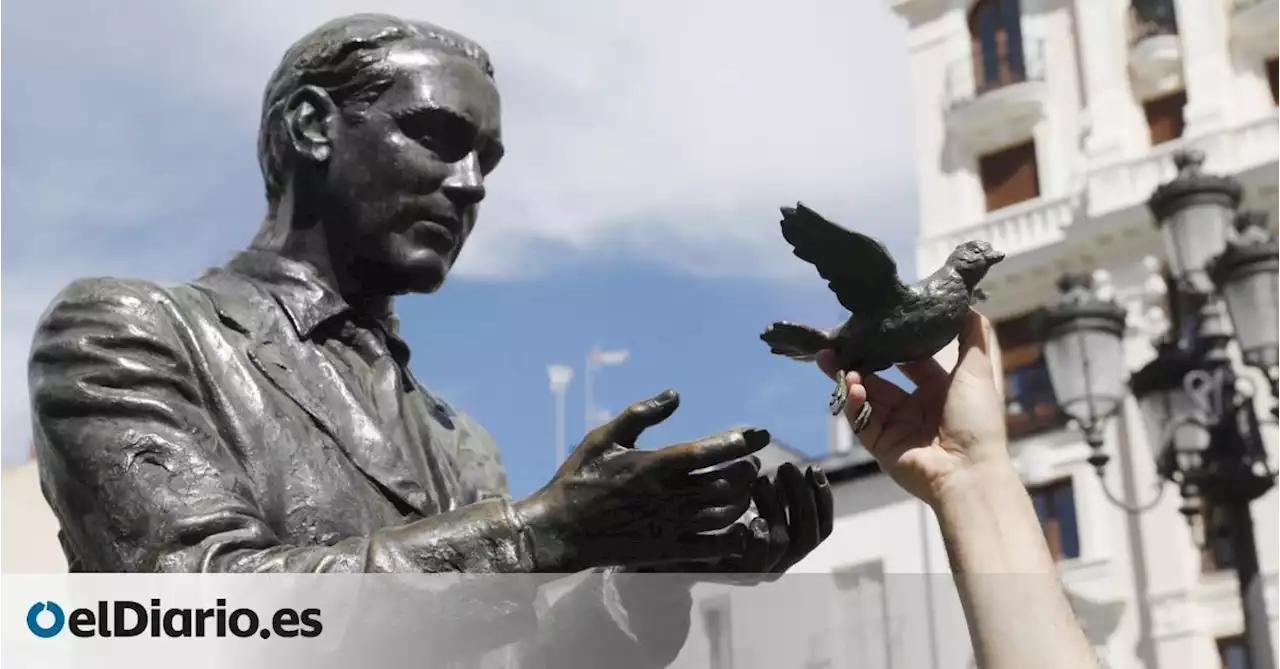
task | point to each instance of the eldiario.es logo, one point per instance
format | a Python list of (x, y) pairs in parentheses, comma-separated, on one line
[(125, 618)]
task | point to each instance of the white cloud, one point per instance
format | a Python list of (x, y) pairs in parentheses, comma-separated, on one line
[(661, 131), (635, 120)]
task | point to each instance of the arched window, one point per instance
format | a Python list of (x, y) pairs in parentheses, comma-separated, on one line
[(995, 30)]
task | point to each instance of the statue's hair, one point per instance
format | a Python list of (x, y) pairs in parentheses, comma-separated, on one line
[(346, 57)]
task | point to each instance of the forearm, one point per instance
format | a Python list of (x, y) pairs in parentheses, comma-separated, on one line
[(1017, 611)]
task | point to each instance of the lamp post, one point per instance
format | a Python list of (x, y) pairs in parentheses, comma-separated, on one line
[(1205, 433), (558, 377)]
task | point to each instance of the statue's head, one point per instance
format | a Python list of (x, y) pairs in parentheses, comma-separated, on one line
[(384, 130), (972, 260)]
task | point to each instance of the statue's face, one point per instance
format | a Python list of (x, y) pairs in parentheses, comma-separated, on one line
[(408, 178)]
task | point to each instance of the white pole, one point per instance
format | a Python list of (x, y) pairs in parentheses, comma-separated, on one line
[(588, 402), (559, 377), (560, 437)]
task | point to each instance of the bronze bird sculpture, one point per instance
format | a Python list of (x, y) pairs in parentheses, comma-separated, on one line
[(890, 322)]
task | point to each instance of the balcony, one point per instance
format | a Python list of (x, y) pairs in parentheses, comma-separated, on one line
[(1155, 51), (994, 98), (1021, 228), (1229, 151), (1254, 26)]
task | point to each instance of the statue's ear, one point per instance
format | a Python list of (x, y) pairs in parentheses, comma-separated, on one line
[(309, 117)]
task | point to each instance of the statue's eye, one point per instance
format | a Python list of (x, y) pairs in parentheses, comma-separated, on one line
[(448, 135)]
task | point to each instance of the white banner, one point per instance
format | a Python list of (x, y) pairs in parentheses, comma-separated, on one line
[(486, 621)]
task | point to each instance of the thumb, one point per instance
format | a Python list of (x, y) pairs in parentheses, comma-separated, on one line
[(826, 360), (975, 348), (626, 427)]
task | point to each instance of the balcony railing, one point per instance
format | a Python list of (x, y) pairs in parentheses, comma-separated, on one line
[(1230, 151), (1150, 18), (988, 70), (1020, 228)]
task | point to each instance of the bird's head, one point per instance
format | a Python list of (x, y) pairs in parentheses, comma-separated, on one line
[(971, 260)]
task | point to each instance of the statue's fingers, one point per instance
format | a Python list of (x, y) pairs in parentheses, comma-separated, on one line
[(824, 500), (627, 426), (803, 529), (724, 545), (711, 451), (725, 484), (711, 518)]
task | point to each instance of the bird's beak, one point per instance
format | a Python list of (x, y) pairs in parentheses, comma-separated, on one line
[(996, 256)]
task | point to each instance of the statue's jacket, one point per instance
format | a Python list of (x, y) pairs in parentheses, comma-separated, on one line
[(225, 425)]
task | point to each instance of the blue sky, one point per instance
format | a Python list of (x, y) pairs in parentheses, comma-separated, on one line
[(649, 148)]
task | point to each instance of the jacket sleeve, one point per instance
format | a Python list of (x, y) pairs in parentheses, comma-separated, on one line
[(133, 466)]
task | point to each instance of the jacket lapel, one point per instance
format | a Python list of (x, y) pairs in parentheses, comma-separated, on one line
[(299, 369)]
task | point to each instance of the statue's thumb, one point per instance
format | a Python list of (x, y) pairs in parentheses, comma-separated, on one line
[(626, 427)]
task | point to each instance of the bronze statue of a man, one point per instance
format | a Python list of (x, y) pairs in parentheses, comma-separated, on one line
[(262, 418)]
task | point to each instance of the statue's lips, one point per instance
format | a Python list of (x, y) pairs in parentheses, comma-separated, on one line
[(439, 233)]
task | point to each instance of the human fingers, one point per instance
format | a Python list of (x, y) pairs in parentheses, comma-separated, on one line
[(626, 427), (975, 355), (711, 451), (826, 360), (924, 373), (881, 393)]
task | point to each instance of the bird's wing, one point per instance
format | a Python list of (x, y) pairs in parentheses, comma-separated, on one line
[(859, 269), (798, 342)]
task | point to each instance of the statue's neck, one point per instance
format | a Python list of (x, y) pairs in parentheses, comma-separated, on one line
[(289, 232)]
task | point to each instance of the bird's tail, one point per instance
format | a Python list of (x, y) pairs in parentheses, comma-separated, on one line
[(798, 342)]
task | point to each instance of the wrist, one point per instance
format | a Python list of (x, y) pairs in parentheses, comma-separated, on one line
[(974, 484), (989, 524), (548, 546)]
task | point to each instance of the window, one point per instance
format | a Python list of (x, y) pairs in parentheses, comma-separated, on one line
[(1055, 505), (715, 618), (864, 607), (1030, 405), (1009, 176), (1271, 79), (1233, 653), (1217, 552), (1148, 18), (1164, 117), (995, 34)]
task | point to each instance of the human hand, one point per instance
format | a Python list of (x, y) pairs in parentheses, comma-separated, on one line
[(950, 425), (793, 514), (611, 504)]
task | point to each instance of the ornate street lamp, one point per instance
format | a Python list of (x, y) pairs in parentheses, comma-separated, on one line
[(1245, 275), (1200, 418), (1084, 353), (1194, 212), (1172, 413)]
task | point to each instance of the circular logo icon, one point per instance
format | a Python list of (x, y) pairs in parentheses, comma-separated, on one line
[(41, 630)]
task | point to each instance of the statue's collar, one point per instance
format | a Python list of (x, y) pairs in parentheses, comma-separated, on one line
[(297, 286)]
